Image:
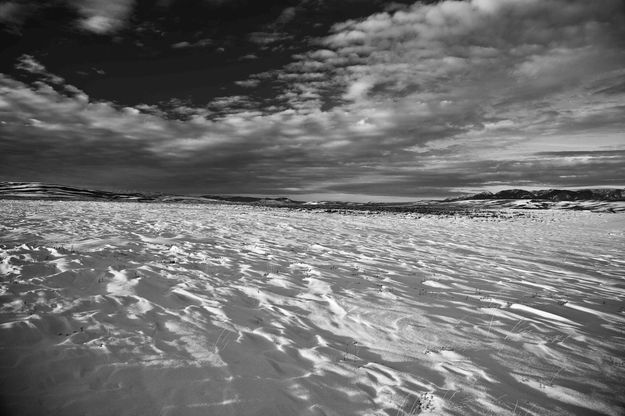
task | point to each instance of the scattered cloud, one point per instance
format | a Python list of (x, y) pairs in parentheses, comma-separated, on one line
[(103, 17), (14, 13), (416, 99), (248, 83), (181, 45), (29, 64), (96, 16), (264, 39), (197, 44), (448, 76), (286, 16)]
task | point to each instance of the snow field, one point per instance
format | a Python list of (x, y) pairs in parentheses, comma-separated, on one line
[(165, 309)]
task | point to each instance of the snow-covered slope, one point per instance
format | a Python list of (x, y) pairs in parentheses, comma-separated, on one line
[(36, 190), (154, 309), (532, 204)]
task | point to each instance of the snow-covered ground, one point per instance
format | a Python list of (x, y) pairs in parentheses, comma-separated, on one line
[(149, 309)]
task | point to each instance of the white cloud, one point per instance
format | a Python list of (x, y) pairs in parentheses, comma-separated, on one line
[(29, 64), (286, 16), (9, 11), (14, 13), (358, 89), (103, 16), (268, 38), (248, 83), (97, 16), (485, 58), (181, 45), (459, 93), (100, 24), (197, 44)]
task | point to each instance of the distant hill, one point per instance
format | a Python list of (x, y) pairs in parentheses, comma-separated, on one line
[(599, 200), (36, 190), (555, 195)]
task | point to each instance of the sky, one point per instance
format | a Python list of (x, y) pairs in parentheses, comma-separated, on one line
[(362, 99)]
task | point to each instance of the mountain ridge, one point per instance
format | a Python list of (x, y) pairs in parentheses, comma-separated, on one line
[(600, 199), (555, 195), (38, 190)]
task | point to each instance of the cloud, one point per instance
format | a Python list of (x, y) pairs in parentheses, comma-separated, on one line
[(248, 83), (264, 39), (286, 16), (358, 89), (197, 44), (29, 64), (416, 100), (475, 61), (96, 16), (248, 57), (57, 137), (48, 135), (449, 44), (9, 12), (103, 16), (14, 13)]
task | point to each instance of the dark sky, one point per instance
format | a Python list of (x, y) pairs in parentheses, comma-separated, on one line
[(313, 98)]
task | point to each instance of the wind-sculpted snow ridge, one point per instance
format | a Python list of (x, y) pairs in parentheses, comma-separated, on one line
[(154, 309)]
